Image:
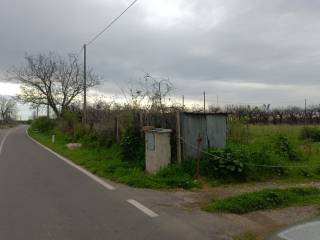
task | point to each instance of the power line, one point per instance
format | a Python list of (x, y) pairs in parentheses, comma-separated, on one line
[(84, 49), (110, 24), (80, 51)]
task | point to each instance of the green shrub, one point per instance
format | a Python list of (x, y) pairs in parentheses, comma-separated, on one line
[(223, 164), (93, 139), (79, 131), (132, 146), (243, 162), (258, 162), (285, 148), (306, 172), (266, 199), (43, 124), (310, 133), (69, 122)]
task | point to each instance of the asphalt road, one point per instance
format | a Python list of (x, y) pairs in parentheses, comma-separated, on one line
[(309, 230), (43, 197)]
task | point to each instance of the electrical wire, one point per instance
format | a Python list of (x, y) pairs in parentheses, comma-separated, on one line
[(110, 24)]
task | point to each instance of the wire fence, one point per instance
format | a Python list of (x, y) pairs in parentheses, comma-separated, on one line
[(251, 164)]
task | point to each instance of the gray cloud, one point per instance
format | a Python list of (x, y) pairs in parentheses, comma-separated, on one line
[(197, 44)]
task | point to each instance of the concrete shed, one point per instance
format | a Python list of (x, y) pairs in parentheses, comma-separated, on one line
[(211, 127)]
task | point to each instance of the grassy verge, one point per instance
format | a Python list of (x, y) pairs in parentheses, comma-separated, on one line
[(266, 199), (106, 162)]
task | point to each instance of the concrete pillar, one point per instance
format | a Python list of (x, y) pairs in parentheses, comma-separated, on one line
[(158, 149)]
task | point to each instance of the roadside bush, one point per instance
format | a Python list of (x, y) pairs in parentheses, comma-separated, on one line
[(259, 159), (132, 146), (96, 140), (43, 124), (243, 162), (310, 133), (78, 132), (69, 122), (224, 164), (306, 172)]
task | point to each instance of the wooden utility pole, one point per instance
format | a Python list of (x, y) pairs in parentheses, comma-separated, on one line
[(84, 119), (178, 132), (204, 102), (305, 111), (198, 156), (183, 102)]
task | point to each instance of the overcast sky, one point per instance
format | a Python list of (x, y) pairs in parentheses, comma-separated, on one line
[(243, 51)]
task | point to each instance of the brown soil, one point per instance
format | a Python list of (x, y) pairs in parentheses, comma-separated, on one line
[(264, 223)]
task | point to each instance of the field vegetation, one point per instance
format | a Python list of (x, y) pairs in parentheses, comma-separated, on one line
[(100, 155), (260, 152), (266, 199)]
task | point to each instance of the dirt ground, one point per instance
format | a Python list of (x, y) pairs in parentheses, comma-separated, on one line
[(263, 223)]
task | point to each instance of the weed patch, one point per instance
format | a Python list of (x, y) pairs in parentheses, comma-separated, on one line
[(266, 199), (107, 162)]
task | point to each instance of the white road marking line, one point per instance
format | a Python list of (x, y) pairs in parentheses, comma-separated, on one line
[(142, 208), (4, 140), (89, 174)]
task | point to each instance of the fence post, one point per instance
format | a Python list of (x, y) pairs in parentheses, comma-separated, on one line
[(178, 132), (199, 140), (116, 129)]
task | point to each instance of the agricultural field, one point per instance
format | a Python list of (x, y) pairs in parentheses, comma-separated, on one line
[(297, 146), (260, 152)]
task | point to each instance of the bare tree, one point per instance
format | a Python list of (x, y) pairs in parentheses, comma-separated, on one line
[(157, 91), (48, 79), (7, 108), (150, 93)]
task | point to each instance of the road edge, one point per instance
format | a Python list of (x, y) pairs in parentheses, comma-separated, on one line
[(4, 140), (69, 162)]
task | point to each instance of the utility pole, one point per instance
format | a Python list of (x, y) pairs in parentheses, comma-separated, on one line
[(204, 102), (84, 119), (183, 102), (305, 111)]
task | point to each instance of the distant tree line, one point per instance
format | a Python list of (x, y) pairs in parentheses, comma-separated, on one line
[(266, 115), (57, 82)]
